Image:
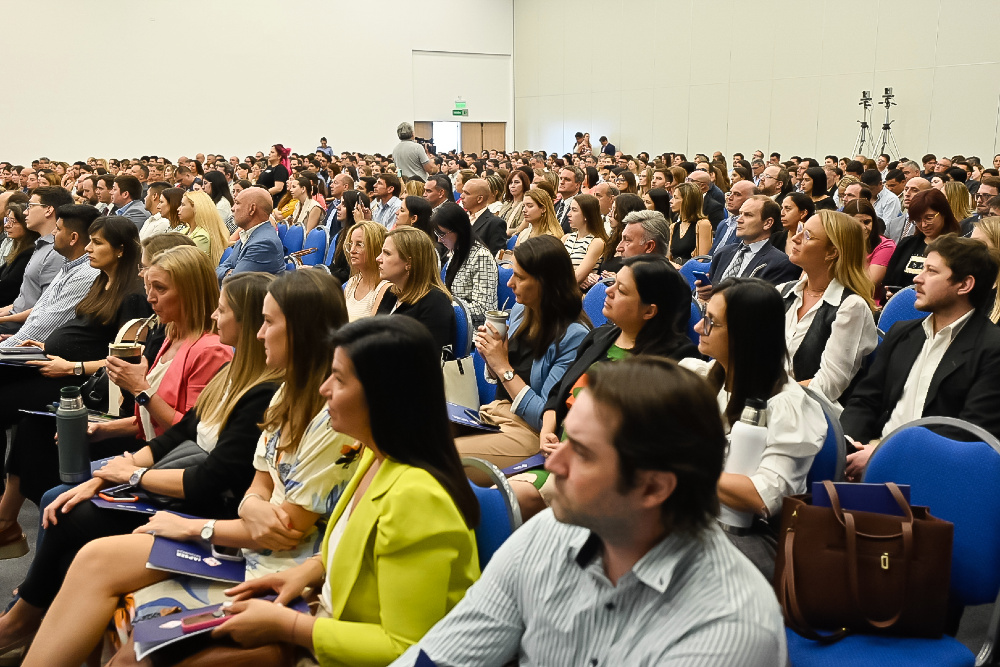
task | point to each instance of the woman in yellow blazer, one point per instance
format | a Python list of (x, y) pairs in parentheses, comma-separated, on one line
[(400, 550)]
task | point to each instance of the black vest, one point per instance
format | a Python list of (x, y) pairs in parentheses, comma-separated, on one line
[(805, 363)]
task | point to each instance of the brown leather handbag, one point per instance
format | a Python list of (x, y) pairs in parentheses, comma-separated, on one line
[(851, 571)]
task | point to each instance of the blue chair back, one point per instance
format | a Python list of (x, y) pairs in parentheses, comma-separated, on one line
[(499, 512), (900, 307), (693, 319), (315, 239), (693, 265), (958, 481), (282, 230), (593, 304), (225, 254), (332, 250), (462, 344), (487, 391), (505, 295), (831, 460), (293, 239), (511, 242)]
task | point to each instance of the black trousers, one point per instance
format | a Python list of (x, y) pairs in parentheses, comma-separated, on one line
[(75, 529)]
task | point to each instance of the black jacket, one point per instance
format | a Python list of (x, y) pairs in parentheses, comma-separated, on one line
[(491, 231), (966, 384), (12, 276), (895, 272)]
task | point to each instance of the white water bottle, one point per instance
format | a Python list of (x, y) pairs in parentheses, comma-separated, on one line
[(747, 441)]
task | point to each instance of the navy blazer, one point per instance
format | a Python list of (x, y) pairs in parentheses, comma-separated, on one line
[(262, 252), (965, 385), (769, 264), (720, 231)]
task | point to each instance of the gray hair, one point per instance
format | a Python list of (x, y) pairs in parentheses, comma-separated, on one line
[(912, 165), (404, 131), (654, 227)]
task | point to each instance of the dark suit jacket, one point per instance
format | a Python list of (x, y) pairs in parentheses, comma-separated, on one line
[(608, 149), (966, 384), (715, 211), (769, 264), (491, 231)]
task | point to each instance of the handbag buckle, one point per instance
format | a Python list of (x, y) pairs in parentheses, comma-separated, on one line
[(885, 561)]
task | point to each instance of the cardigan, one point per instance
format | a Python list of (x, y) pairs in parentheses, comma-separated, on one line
[(405, 559)]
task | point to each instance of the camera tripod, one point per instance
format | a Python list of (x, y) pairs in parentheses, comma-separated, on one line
[(865, 136), (886, 137)]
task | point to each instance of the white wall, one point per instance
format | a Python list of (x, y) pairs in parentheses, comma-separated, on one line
[(123, 78), (731, 75)]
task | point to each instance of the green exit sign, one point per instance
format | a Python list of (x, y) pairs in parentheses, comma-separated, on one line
[(459, 105), (459, 112)]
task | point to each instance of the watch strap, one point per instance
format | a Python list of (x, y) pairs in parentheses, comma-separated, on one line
[(143, 399)]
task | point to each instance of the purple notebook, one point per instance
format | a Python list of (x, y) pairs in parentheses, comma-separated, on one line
[(536, 461), (459, 414), (861, 497), (156, 633), (195, 560)]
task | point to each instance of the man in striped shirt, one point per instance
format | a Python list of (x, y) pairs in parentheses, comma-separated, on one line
[(628, 567)]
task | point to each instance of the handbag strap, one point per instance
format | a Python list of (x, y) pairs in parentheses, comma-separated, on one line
[(852, 571), (839, 513), (794, 617)]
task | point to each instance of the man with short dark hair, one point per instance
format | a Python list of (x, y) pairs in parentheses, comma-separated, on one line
[(386, 191), (259, 248), (628, 566), (775, 158), (126, 196), (438, 190), (141, 172), (757, 169), (894, 182), (945, 365), (754, 256), (57, 304), (886, 204), (570, 182), (607, 148)]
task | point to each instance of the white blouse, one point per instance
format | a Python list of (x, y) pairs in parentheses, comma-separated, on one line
[(796, 429), (852, 337)]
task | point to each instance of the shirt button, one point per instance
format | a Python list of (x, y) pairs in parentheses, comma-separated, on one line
[(593, 661), (610, 606)]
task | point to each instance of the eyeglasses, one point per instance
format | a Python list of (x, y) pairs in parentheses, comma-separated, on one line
[(805, 232), (34, 203), (143, 269), (707, 323), (440, 235), (984, 196), (766, 176), (348, 246)]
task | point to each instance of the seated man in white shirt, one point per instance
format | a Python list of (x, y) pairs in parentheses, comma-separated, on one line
[(945, 365), (629, 566)]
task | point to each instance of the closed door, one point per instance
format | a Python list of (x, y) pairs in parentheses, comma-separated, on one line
[(424, 129), (494, 136), (472, 138)]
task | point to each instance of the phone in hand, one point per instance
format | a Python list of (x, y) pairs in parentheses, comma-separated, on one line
[(227, 553), (119, 494), (203, 621), (702, 277)]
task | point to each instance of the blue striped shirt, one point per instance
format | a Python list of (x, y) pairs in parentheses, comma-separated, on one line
[(544, 599), (57, 304)]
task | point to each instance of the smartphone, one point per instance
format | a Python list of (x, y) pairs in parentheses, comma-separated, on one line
[(203, 621), (118, 495), (227, 553), (702, 277)]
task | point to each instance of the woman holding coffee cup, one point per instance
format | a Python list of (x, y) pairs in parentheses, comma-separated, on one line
[(547, 325)]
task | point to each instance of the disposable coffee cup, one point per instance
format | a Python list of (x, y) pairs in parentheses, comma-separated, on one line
[(498, 318), (129, 352)]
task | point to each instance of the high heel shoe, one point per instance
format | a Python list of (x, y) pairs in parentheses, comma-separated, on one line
[(13, 543)]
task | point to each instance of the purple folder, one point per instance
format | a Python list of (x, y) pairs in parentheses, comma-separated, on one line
[(536, 461), (458, 414), (861, 497), (195, 560)]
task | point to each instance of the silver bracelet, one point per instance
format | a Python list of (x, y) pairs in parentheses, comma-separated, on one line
[(239, 508)]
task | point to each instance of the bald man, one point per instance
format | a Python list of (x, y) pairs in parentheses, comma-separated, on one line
[(259, 248), (488, 228), (714, 205), (899, 227)]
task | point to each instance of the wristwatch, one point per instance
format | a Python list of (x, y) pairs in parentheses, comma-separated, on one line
[(208, 530), (78, 368), (137, 477), (142, 399), (508, 376)]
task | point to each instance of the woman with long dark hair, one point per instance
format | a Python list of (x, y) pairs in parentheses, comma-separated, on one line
[(796, 208), (814, 187), (307, 212), (169, 204), (547, 325), (22, 247), (624, 204), (657, 199), (691, 235), (470, 272), (585, 243), (743, 332), (350, 212), (216, 187), (518, 183), (648, 308), (416, 212)]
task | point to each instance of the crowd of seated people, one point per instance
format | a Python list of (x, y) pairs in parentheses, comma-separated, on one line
[(281, 389)]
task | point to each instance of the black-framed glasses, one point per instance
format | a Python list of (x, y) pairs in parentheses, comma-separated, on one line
[(707, 323)]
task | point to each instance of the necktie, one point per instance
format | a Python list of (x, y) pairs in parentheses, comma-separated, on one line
[(737, 264)]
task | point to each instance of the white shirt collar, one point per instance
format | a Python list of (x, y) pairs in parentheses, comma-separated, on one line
[(949, 331), (832, 294)]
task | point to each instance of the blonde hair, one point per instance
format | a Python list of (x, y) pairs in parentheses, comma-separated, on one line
[(692, 202), (846, 235), (414, 188), (206, 216), (991, 227), (959, 200), (846, 181), (245, 297), (195, 281), (549, 224), (374, 238), (415, 247)]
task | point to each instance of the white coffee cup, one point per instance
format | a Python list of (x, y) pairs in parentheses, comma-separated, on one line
[(498, 318)]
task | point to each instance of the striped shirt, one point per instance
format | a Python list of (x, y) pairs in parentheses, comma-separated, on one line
[(57, 305), (43, 266), (385, 214), (544, 599)]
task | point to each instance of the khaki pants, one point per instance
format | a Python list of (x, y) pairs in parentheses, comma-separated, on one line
[(515, 442)]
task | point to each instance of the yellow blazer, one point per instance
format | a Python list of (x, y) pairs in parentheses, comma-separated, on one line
[(405, 559)]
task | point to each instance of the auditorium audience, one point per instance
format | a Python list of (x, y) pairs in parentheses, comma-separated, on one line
[(691, 234), (302, 467), (258, 247), (365, 288), (205, 227), (585, 244), (629, 506), (20, 250), (829, 327), (408, 261), (946, 364), (546, 326), (470, 272), (932, 218), (742, 332)]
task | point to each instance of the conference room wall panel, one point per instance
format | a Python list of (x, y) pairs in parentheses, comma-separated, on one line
[(810, 62)]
